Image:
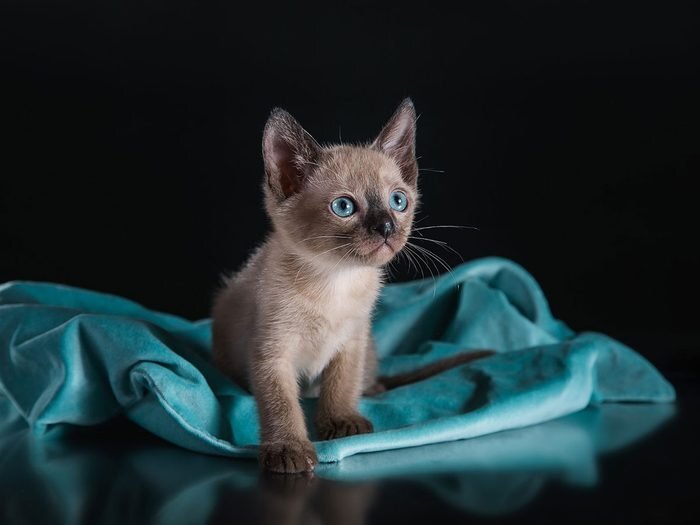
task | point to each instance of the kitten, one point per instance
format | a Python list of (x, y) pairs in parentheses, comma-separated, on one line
[(297, 316)]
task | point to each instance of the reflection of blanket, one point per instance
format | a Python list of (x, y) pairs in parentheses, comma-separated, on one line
[(152, 483), (74, 357)]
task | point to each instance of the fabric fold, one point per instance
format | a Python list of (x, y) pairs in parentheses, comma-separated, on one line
[(72, 357)]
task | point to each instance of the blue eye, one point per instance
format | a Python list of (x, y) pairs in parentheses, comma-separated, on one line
[(343, 207), (398, 201)]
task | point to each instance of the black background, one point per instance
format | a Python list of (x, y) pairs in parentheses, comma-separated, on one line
[(568, 133)]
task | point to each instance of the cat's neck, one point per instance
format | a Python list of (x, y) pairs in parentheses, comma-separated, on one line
[(310, 272)]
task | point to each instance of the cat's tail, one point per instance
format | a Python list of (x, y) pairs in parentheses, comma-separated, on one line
[(388, 382)]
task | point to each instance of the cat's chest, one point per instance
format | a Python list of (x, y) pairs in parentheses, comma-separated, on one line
[(336, 319), (324, 338), (347, 298), (341, 296)]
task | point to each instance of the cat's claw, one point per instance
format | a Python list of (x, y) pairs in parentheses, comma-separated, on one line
[(343, 426), (288, 457)]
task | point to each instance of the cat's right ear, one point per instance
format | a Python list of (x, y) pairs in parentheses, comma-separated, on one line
[(289, 152), (398, 140)]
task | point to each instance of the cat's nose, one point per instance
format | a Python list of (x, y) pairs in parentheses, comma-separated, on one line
[(384, 228)]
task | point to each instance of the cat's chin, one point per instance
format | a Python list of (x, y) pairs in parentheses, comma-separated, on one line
[(381, 254)]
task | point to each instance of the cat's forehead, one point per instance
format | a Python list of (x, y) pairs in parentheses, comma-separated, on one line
[(359, 166)]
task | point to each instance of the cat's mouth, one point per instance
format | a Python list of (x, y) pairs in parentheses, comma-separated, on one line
[(385, 244)]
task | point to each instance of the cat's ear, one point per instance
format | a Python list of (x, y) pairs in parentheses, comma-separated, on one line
[(398, 140), (289, 151)]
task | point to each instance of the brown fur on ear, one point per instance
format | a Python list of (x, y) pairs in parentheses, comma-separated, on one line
[(398, 140), (288, 152)]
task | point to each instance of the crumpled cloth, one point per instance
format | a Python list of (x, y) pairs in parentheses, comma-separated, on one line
[(72, 357)]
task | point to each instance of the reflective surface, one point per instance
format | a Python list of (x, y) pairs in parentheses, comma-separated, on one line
[(570, 468)]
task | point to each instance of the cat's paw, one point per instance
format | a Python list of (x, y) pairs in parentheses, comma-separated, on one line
[(341, 426), (288, 457)]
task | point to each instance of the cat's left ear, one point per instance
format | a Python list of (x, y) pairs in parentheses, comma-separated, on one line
[(289, 151), (398, 140)]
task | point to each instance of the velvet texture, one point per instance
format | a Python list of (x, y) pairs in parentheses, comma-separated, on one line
[(74, 357)]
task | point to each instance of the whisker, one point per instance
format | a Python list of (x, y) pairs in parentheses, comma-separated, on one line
[(447, 226), (433, 256), (422, 258), (351, 250), (438, 258), (306, 263), (442, 244), (411, 256), (405, 255), (428, 260)]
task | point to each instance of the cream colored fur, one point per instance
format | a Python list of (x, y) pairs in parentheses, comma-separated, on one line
[(296, 319)]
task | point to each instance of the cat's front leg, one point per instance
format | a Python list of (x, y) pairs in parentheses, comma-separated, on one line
[(341, 386), (285, 447)]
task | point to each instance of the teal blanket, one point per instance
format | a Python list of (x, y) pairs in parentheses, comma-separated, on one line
[(71, 357)]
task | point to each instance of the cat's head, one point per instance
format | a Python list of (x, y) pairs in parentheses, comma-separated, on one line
[(342, 204)]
